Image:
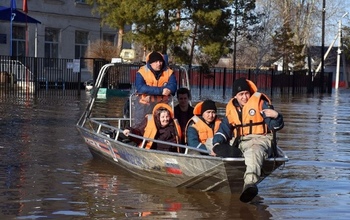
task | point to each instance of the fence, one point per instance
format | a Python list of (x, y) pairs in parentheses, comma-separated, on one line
[(61, 77), (269, 81), (38, 76)]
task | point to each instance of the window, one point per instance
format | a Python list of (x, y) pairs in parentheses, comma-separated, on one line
[(80, 1), (18, 41), (109, 37), (81, 44), (51, 42), (51, 46)]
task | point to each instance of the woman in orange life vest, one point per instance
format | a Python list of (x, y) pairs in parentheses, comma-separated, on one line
[(160, 125), (154, 82), (250, 118), (201, 128)]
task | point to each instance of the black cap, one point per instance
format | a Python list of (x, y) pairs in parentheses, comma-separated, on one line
[(155, 56), (208, 105), (240, 85)]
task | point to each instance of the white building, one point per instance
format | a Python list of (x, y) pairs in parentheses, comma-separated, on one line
[(67, 28)]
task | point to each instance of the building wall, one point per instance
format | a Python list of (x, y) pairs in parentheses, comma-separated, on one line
[(67, 16)]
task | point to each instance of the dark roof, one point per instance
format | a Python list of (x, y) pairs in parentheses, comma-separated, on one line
[(315, 53)]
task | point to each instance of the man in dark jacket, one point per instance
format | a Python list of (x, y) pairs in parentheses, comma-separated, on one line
[(183, 111), (154, 83)]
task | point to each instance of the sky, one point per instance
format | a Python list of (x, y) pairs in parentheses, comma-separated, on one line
[(334, 14)]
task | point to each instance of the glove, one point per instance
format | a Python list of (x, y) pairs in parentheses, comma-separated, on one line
[(226, 150)]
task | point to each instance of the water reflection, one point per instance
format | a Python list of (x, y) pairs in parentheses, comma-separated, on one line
[(37, 155), (316, 137), (115, 193)]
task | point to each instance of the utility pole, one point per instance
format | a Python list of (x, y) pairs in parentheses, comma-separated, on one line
[(322, 47), (235, 44), (336, 86)]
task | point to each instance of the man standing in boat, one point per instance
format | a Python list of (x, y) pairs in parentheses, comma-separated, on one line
[(154, 83), (251, 119)]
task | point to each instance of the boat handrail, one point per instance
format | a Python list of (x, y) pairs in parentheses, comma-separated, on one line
[(101, 123), (93, 97), (184, 81)]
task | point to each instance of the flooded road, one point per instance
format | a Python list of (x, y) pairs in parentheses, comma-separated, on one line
[(46, 171)]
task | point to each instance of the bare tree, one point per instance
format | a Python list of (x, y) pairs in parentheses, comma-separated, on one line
[(302, 17)]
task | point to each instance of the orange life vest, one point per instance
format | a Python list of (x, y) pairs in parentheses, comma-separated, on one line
[(203, 130), (251, 122), (151, 128)]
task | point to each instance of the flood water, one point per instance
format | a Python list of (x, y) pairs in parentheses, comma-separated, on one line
[(47, 172)]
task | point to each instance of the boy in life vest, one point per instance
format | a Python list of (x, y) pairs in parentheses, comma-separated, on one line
[(202, 126), (250, 118), (160, 125), (154, 82)]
